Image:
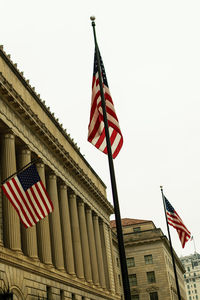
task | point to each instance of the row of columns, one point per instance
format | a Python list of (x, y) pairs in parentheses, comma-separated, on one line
[(71, 238)]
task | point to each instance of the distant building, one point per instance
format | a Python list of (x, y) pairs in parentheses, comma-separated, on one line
[(149, 262), (192, 275)]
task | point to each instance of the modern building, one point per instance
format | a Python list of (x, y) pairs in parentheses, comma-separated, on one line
[(192, 275), (67, 255), (149, 262)]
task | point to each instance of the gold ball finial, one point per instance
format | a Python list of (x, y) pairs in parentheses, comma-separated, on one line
[(92, 18)]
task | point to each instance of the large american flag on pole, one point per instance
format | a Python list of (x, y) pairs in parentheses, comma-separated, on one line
[(96, 129), (28, 195), (175, 221)]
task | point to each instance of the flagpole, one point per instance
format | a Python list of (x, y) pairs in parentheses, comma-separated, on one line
[(171, 248), (124, 271)]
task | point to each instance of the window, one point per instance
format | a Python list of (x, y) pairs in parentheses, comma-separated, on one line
[(117, 260), (151, 277), (190, 298), (62, 297), (197, 297), (187, 280), (137, 229), (188, 286), (195, 285), (135, 297), (189, 293), (130, 262), (49, 293), (119, 278), (188, 268), (148, 259), (153, 296), (73, 296), (132, 279), (195, 291)]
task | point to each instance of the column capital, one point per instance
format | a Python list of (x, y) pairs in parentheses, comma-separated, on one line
[(72, 195), (52, 175), (63, 186), (95, 216), (9, 134), (25, 150), (81, 203), (40, 164), (88, 210)]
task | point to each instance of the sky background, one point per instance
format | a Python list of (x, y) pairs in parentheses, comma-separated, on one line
[(151, 53)]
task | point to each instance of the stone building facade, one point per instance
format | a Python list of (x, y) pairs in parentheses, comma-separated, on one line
[(149, 262), (67, 255), (192, 275)]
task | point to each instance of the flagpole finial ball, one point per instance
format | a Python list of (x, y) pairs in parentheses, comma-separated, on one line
[(92, 18)]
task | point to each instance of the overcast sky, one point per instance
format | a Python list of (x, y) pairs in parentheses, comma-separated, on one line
[(151, 53)]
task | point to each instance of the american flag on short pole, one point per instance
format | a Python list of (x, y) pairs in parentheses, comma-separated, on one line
[(96, 128), (175, 221), (28, 195)]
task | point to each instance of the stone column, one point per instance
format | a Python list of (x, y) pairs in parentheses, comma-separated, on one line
[(54, 221), (66, 230), (11, 221), (92, 247), (104, 250), (99, 251), (84, 242), (43, 233), (76, 236), (29, 237)]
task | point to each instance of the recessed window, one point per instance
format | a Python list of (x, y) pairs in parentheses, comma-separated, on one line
[(132, 279), (148, 259), (151, 277), (117, 260), (153, 296), (49, 293), (135, 297), (137, 229), (130, 262), (73, 296), (119, 278)]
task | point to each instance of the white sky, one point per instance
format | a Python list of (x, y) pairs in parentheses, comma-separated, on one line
[(151, 53)]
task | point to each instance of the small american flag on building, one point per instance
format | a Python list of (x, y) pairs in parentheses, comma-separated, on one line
[(96, 129), (175, 221), (28, 195)]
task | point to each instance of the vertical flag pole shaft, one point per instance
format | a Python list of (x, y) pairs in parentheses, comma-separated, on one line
[(125, 279), (171, 248)]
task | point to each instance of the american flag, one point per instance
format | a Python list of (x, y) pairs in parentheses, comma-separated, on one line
[(175, 221), (96, 129), (28, 195)]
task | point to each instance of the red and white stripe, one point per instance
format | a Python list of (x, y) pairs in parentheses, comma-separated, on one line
[(31, 205), (175, 221), (96, 129)]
